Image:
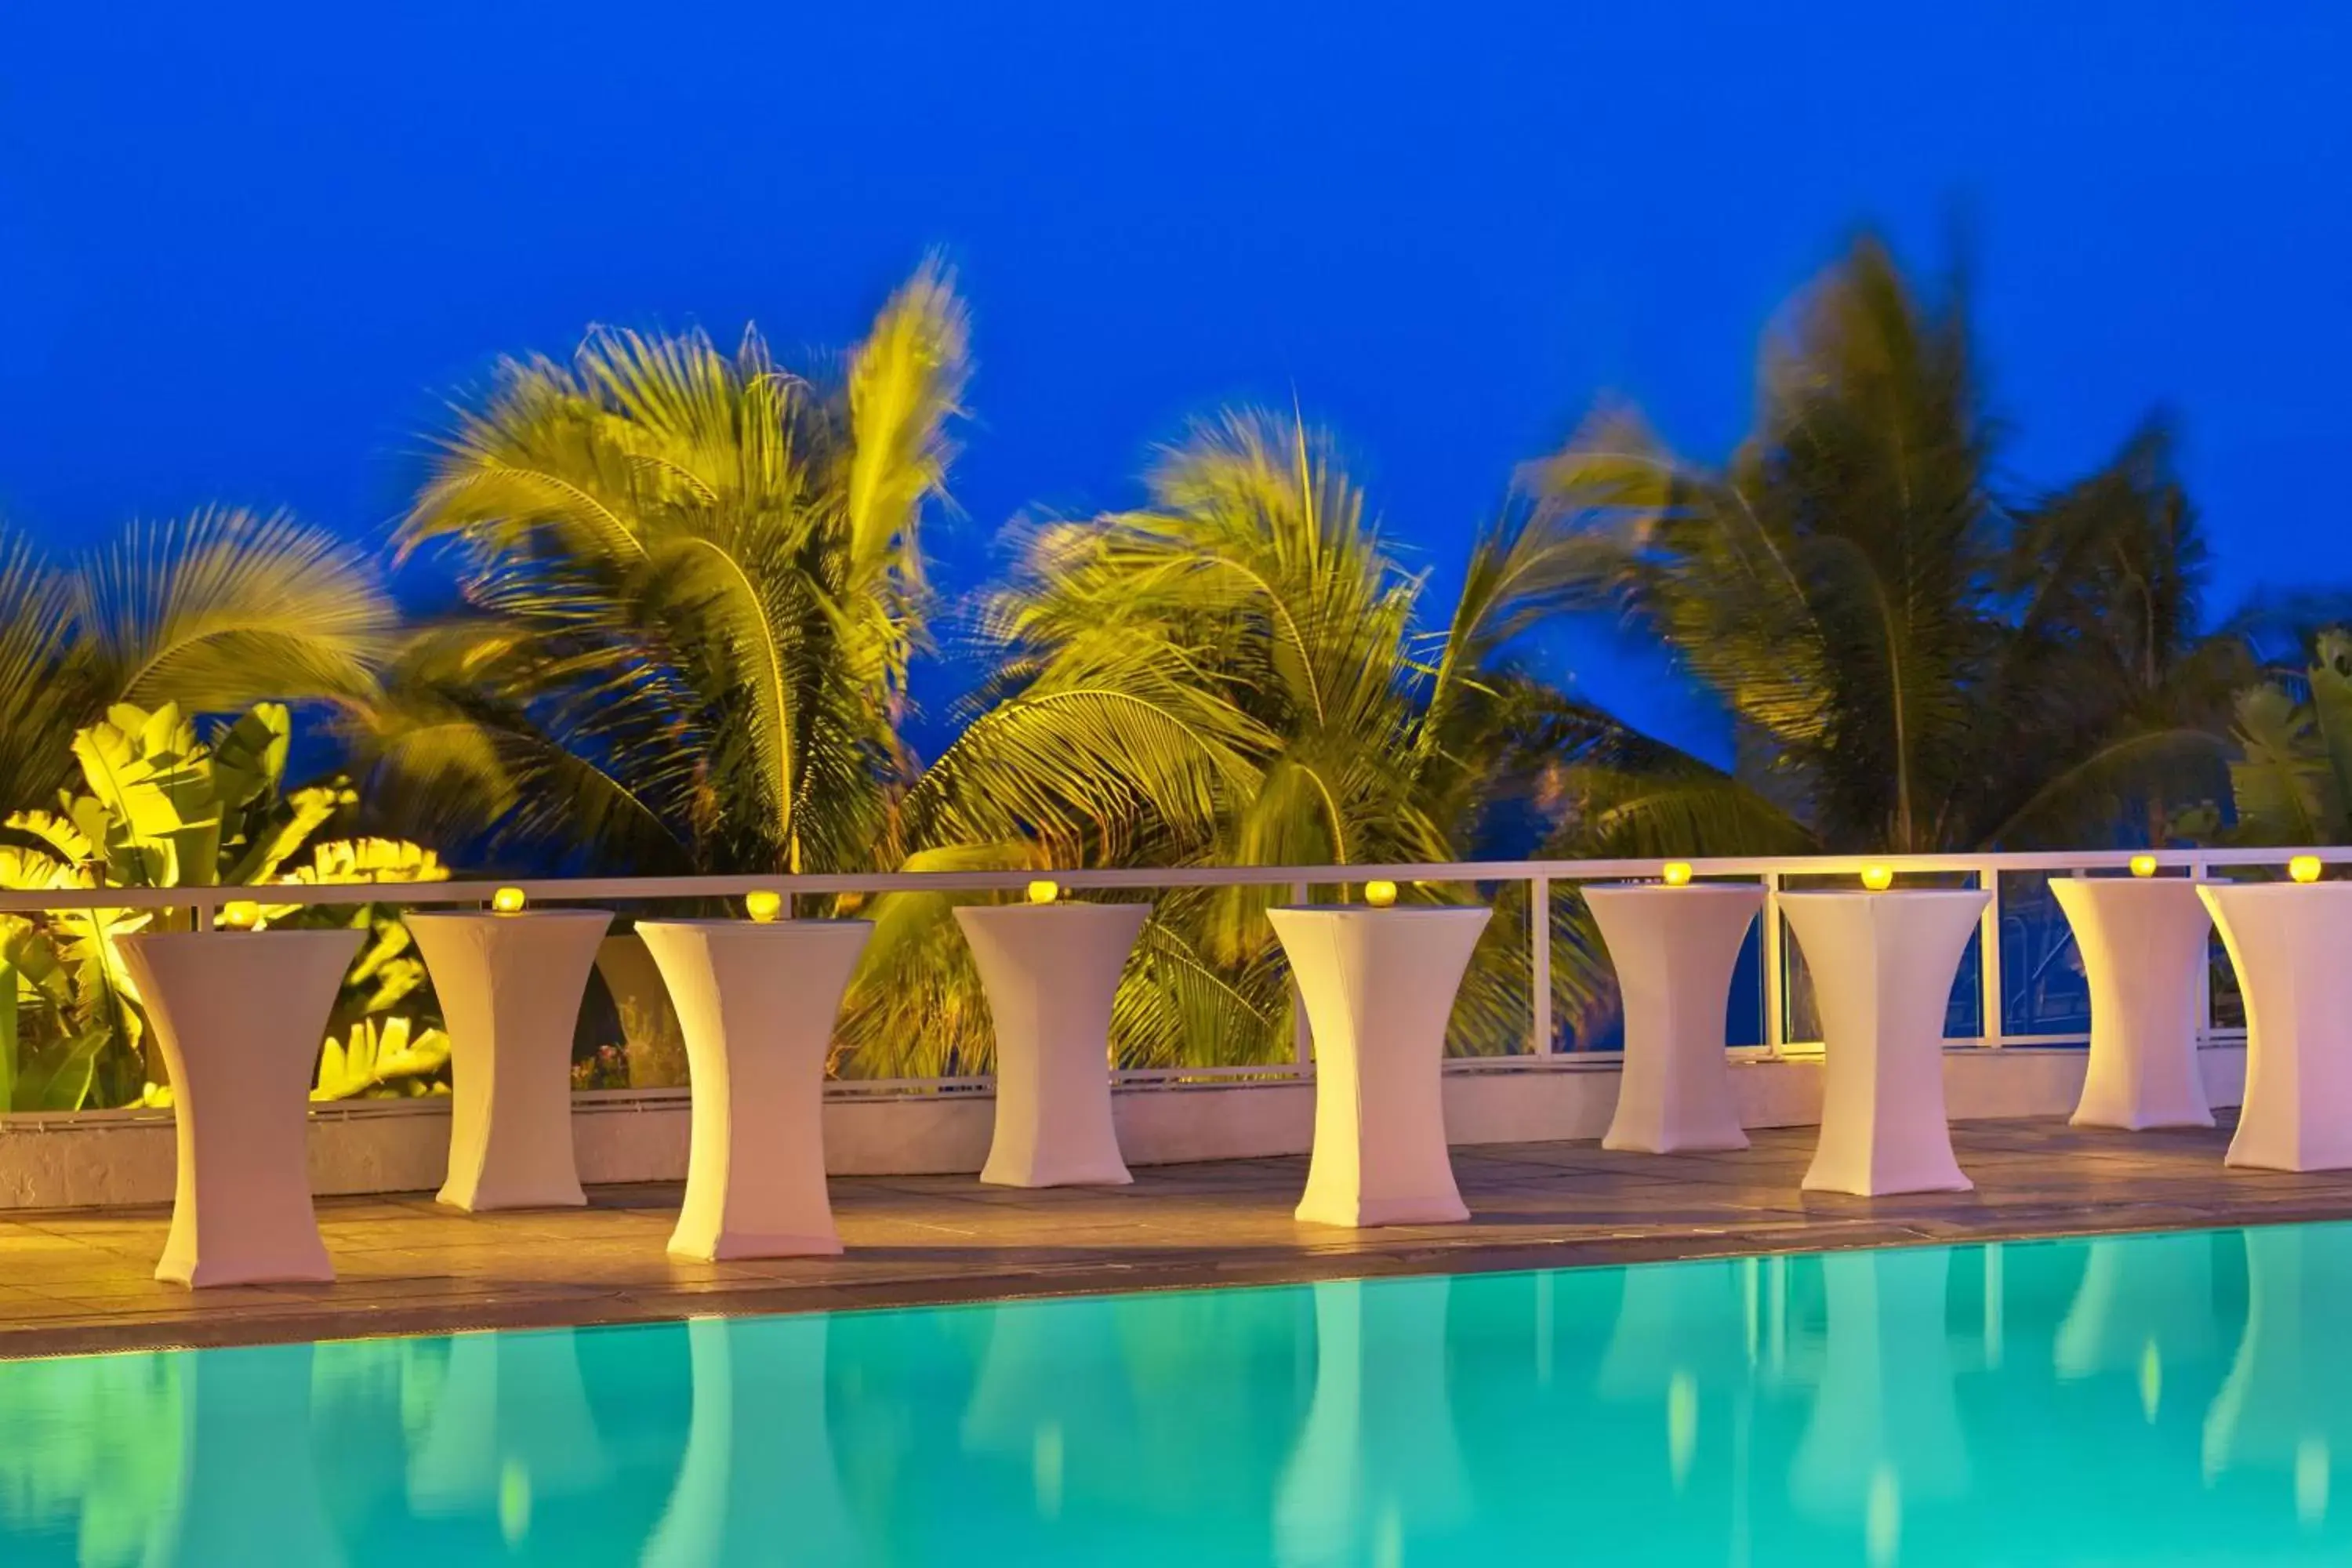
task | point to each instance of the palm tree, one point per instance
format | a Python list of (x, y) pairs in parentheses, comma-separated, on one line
[(99, 660), (693, 584), (1917, 662), (1249, 633), (211, 613), (2293, 781)]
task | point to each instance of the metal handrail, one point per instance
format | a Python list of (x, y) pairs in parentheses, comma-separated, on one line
[(1138, 878), (1541, 877)]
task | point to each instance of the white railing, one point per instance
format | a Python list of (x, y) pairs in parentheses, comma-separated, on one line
[(1543, 880)]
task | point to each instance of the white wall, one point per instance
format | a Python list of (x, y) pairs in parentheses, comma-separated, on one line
[(125, 1157)]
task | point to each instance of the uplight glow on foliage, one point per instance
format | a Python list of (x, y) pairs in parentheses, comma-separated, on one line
[(690, 584), (166, 804)]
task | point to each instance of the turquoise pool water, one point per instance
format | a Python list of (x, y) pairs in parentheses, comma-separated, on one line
[(2167, 1399)]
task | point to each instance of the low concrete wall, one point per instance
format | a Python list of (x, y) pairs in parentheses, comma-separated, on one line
[(127, 1157)]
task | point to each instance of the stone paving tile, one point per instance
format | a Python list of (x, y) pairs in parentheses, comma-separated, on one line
[(75, 1281)]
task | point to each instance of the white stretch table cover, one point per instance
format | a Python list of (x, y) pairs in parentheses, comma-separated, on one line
[(509, 987), (2142, 944), (1379, 985), (1051, 971), (1883, 967), (758, 1005), (2291, 944), (1673, 950), (240, 1017)]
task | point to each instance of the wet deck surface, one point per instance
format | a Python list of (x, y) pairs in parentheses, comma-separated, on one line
[(82, 1280)]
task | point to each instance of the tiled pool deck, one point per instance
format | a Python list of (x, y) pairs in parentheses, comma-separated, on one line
[(82, 1280)]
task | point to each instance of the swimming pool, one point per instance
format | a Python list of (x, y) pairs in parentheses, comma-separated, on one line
[(2172, 1398)]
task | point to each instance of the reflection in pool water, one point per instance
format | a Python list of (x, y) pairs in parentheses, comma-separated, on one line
[(1377, 1457), (2167, 1398)]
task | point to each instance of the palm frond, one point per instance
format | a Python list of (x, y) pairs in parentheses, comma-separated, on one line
[(225, 608), (2284, 788), (906, 382), (2101, 796), (703, 574), (47, 687)]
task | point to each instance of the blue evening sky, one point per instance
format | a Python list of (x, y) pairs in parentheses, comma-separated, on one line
[(243, 248)]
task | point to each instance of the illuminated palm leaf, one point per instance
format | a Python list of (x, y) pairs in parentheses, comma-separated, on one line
[(1246, 684), (693, 585), (228, 608), (2284, 783), (1178, 1007), (36, 720), (211, 613), (915, 1006), (905, 384)]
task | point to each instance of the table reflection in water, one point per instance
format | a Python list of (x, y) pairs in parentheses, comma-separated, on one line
[(758, 1477), (1885, 1427), (2286, 1408), (248, 1487), (1918, 1407), (1377, 1461)]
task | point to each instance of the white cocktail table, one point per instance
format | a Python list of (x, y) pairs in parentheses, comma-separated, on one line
[(1378, 987), (756, 1003), (509, 987), (2291, 944), (1883, 967), (240, 1017), (2142, 944), (1673, 950), (1051, 971)]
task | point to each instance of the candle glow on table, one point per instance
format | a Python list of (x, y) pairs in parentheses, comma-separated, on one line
[(1676, 874), (2142, 864), (763, 905), (508, 900), (2304, 868), (1878, 879), (1379, 895)]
